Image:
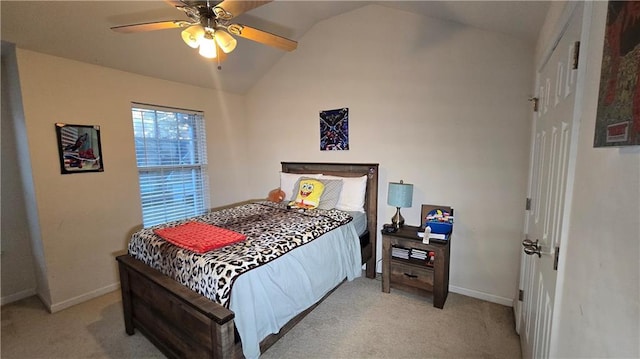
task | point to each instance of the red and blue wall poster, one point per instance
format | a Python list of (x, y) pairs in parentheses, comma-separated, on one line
[(79, 148), (618, 117), (334, 130)]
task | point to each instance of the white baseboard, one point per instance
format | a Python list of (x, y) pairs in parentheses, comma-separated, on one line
[(17, 296), (481, 295), (110, 288), (56, 307)]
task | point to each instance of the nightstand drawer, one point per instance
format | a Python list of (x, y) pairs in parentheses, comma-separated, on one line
[(412, 275)]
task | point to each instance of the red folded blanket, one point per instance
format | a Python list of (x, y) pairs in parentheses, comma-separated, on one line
[(199, 237)]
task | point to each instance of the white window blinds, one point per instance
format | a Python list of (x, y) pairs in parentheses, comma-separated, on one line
[(171, 156)]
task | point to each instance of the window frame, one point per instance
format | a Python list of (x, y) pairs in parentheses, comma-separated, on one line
[(171, 163)]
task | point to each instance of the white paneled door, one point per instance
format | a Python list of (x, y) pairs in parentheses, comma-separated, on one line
[(550, 179)]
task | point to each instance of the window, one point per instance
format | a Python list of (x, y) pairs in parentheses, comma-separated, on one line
[(172, 163)]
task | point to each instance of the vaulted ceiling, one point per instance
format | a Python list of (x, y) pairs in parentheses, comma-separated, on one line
[(80, 30)]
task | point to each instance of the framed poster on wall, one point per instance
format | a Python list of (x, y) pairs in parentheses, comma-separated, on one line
[(334, 130), (79, 148)]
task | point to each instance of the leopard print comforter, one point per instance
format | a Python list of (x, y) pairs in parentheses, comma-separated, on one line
[(271, 229)]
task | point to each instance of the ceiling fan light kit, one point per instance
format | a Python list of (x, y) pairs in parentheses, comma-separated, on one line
[(195, 36), (209, 27)]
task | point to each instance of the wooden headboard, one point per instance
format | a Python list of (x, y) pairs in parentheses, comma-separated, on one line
[(349, 170)]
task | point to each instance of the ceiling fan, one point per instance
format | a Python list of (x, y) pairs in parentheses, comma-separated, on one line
[(209, 27)]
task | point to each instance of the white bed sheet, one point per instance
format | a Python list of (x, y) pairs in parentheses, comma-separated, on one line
[(266, 298)]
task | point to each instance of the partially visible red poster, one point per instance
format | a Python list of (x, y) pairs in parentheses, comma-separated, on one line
[(618, 117)]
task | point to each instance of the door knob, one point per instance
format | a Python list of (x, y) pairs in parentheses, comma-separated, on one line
[(532, 250), (531, 247)]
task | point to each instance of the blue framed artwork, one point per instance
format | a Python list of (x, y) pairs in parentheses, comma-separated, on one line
[(334, 130)]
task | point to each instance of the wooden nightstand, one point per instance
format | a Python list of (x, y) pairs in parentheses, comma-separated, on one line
[(415, 275)]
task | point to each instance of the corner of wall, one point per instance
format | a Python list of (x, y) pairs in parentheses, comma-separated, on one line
[(16, 114)]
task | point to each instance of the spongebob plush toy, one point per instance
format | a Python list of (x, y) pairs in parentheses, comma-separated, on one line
[(308, 194)]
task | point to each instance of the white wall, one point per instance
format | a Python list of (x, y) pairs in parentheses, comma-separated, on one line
[(18, 269), (599, 301), (86, 219), (437, 104)]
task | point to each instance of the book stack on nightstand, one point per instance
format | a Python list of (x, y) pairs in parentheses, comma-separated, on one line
[(399, 252), (423, 256), (414, 255), (419, 254)]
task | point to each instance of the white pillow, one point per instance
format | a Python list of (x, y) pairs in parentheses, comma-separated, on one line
[(353, 192), (288, 181)]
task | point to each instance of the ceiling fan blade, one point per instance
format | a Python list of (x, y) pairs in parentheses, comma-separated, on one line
[(233, 8), (263, 37), (174, 2), (150, 26)]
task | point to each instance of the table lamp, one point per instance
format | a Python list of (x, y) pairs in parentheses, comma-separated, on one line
[(400, 195)]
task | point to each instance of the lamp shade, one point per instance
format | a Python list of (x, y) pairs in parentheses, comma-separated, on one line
[(400, 194), (226, 42), (192, 35)]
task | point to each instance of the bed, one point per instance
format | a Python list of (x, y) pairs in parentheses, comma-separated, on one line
[(184, 323)]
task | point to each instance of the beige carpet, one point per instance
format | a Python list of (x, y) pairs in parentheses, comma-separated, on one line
[(356, 321)]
